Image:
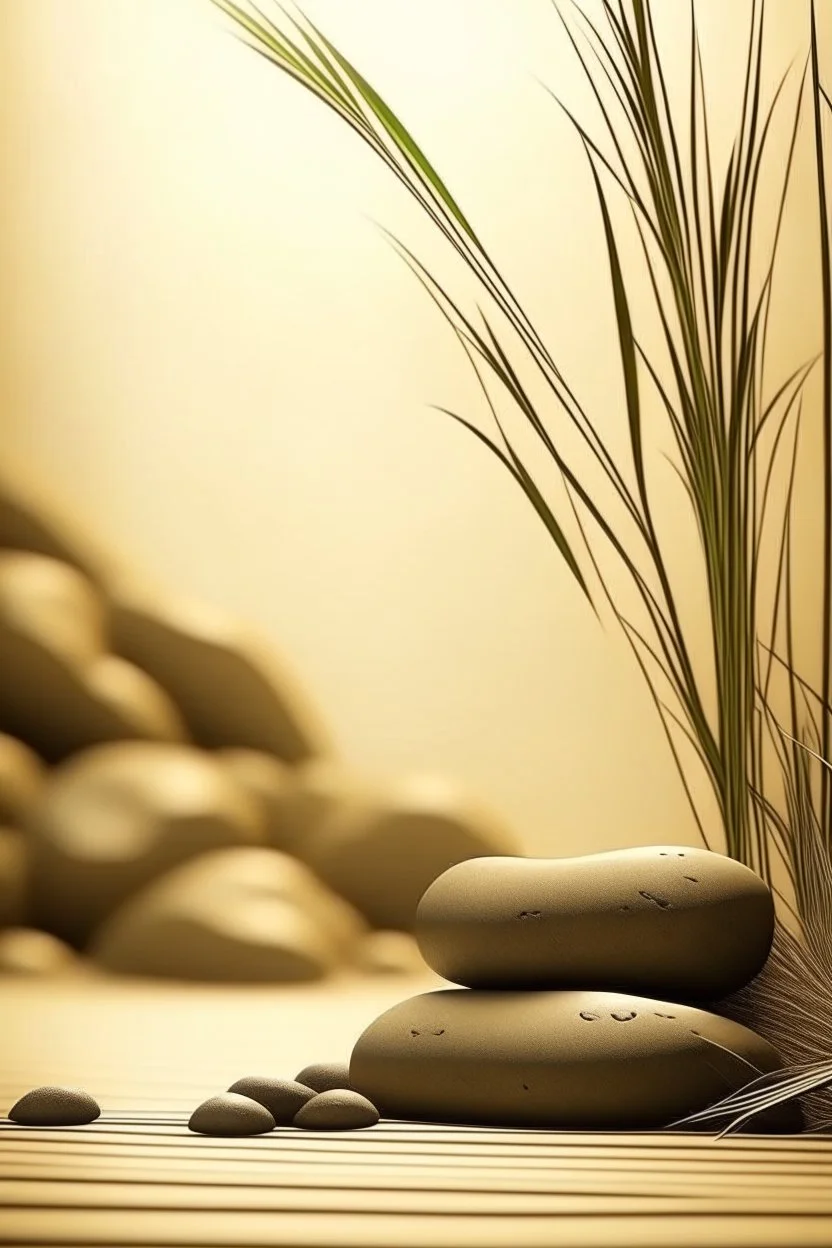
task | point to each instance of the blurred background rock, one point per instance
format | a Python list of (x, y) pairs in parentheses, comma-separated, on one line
[(179, 813)]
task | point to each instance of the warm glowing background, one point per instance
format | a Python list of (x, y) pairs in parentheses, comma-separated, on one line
[(212, 356)]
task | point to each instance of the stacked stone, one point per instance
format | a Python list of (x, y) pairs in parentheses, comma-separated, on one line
[(585, 983)]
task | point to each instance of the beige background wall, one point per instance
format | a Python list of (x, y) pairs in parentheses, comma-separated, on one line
[(210, 353)]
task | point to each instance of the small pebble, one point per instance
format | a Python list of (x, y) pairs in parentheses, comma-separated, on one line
[(281, 1097), (231, 1114), (55, 1107), (339, 1109), (325, 1076)]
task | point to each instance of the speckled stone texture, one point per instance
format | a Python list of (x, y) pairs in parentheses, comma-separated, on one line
[(663, 920), (558, 1060)]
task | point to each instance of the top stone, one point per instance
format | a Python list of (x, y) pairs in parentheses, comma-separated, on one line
[(662, 920)]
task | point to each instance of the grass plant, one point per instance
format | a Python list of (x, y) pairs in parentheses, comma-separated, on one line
[(733, 430)]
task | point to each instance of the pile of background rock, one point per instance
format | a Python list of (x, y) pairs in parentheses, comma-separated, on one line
[(170, 803)]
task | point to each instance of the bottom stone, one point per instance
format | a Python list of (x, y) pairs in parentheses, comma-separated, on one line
[(556, 1060)]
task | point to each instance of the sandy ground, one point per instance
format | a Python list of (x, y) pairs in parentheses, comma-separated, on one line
[(150, 1053)]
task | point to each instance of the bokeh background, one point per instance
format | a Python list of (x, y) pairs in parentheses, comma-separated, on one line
[(213, 359)]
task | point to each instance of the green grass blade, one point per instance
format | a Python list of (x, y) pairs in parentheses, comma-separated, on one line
[(523, 477), (509, 379), (501, 367), (679, 430), (626, 341), (826, 288), (701, 245), (400, 135), (674, 165), (285, 53)]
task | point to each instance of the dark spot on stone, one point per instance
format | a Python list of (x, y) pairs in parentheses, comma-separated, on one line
[(589, 1018), (692, 879), (662, 853), (413, 1032), (624, 1018), (440, 1031), (658, 1015), (525, 1087), (661, 902), (680, 855), (529, 914), (625, 907)]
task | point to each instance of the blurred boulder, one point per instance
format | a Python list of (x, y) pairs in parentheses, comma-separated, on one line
[(13, 876), (382, 850), (114, 817), (133, 699), (268, 782), (295, 800), (28, 522), (230, 690), (313, 791), (59, 689), (237, 915), (53, 604), (21, 776), (389, 953), (29, 951)]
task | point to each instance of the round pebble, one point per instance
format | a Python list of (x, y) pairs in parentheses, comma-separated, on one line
[(231, 1114), (281, 1097), (339, 1109), (55, 1107), (325, 1076)]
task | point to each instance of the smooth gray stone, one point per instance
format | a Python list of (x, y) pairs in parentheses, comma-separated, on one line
[(662, 920), (337, 1110), (51, 1106), (21, 777), (281, 1097), (231, 1114), (237, 915), (114, 818), (325, 1076), (556, 1060), (382, 847)]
